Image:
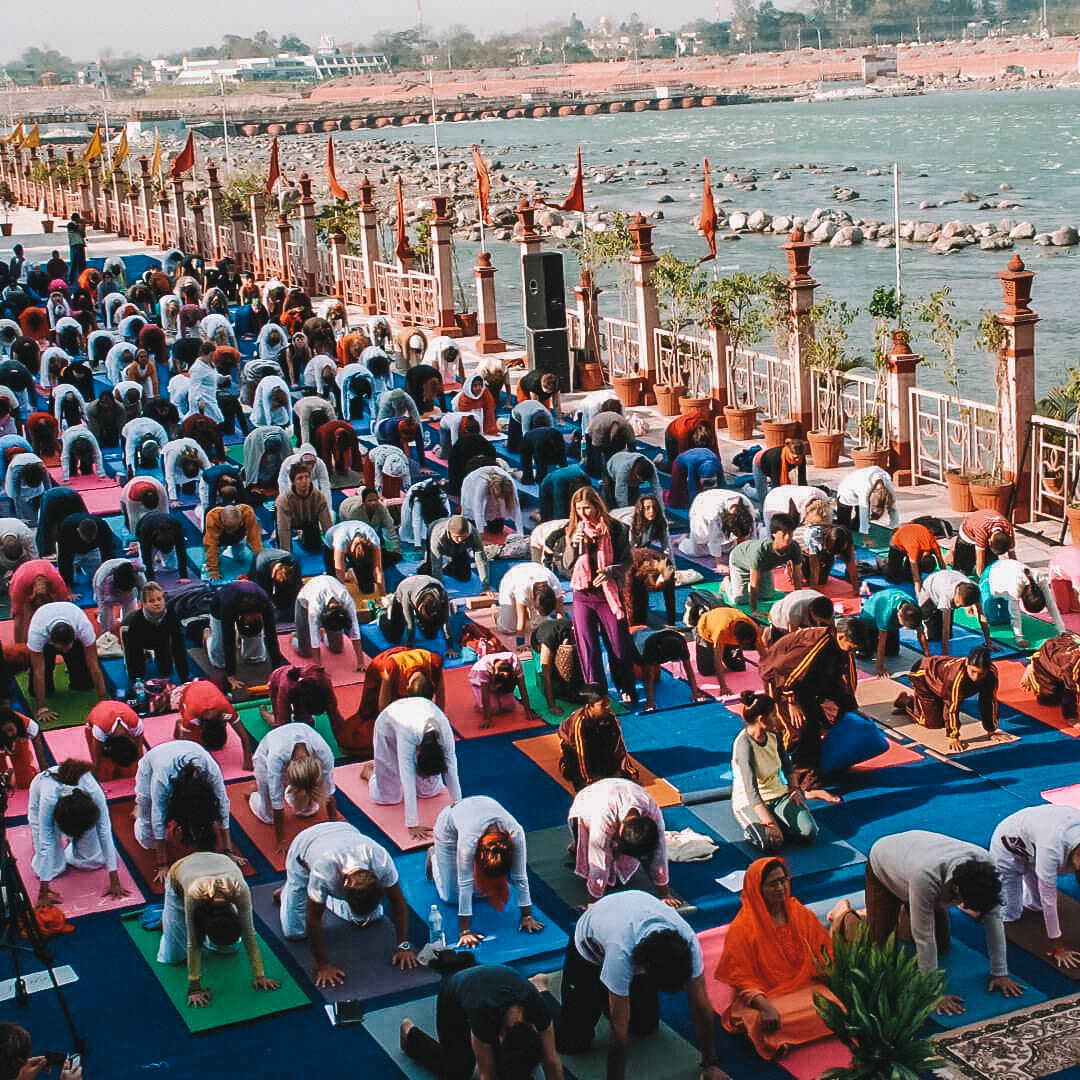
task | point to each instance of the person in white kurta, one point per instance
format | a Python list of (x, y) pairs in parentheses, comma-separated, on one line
[(399, 731), (517, 608), (134, 509), (1005, 579), (780, 498), (264, 412), (480, 507), (856, 491), (314, 601), (55, 851), (707, 535), (1031, 849), (175, 477), (458, 832)]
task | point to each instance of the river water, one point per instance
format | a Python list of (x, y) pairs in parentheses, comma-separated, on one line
[(944, 143)]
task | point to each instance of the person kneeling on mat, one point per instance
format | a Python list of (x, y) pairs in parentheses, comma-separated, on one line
[(325, 606), (493, 677), (1054, 674), (656, 647), (334, 865), (721, 635)]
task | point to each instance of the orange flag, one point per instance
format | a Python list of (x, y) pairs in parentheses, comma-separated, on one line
[(93, 147), (576, 199), (185, 160), (273, 174), (707, 221), (33, 139), (402, 249), (335, 188), (483, 184)]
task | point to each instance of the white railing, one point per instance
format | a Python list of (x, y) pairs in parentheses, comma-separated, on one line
[(411, 299), (950, 433), (687, 363), (1055, 467), (352, 269), (324, 277), (272, 262), (761, 380), (172, 230), (245, 256), (294, 254), (575, 330), (859, 398), (620, 347)]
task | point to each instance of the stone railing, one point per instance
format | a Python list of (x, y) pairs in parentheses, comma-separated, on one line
[(950, 433), (273, 266), (620, 347), (294, 258), (354, 285), (764, 381), (245, 253)]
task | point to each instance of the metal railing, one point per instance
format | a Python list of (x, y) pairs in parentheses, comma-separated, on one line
[(761, 380), (949, 433), (352, 269), (858, 398), (324, 271), (294, 255), (620, 347), (411, 299), (1055, 467), (245, 254), (686, 362), (272, 263)]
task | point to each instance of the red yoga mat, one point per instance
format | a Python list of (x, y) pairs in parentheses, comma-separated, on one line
[(260, 834), (465, 718), (391, 819), (341, 667), (1010, 693)]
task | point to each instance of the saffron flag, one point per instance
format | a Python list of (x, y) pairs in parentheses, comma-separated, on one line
[(273, 174), (335, 188), (15, 136), (120, 154), (402, 249), (483, 184), (155, 163), (707, 221), (185, 160), (33, 139), (93, 147), (576, 199)]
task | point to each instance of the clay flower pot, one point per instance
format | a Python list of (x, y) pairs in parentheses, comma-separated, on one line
[(667, 399), (740, 423), (1072, 515), (629, 389), (990, 496), (826, 448), (777, 432), (863, 458), (689, 405), (959, 493)]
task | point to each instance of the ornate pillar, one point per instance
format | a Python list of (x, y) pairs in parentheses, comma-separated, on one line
[(530, 244), (257, 203), (442, 265), (284, 237), (339, 248), (589, 375), (213, 204), (201, 249), (801, 288), (718, 347), (646, 301), (902, 374), (487, 317), (136, 214), (180, 210), (1017, 398), (146, 198), (369, 246), (309, 239), (163, 220), (50, 163), (93, 172)]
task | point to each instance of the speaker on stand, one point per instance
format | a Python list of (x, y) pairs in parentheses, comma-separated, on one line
[(546, 342)]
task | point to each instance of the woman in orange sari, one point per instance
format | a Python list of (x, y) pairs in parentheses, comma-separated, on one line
[(771, 959)]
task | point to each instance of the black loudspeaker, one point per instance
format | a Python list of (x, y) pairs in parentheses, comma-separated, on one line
[(549, 350), (545, 291)]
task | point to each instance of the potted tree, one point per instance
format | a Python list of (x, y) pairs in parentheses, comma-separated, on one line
[(879, 1001), (991, 490), (829, 359), (886, 312), (684, 298), (738, 309), (873, 450), (776, 317), (7, 203)]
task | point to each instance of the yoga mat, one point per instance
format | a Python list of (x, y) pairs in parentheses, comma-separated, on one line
[(391, 819), (895, 755), (70, 742), (805, 1062), (341, 667), (531, 668), (466, 719), (81, 891), (1064, 796), (103, 500), (543, 750), (503, 941), (260, 834), (230, 757), (737, 681), (257, 727), (228, 977), (1029, 932), (71, 706), (1036, 631), (231, 569), (548, 860), (827, 852), (1010, 694), (384, 1026), (251, 674), (144, 861), (362, 952), (375, 642)]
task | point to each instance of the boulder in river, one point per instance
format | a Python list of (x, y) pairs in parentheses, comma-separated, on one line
[(758, 221), (824, 233), (968, 196), (665, 199), (1066, 236), (848, 236), (1023, 231), (1043, 239), (995, 242), (924, 231), (737, 221)]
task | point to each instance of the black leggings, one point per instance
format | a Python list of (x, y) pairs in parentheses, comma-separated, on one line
[(79, 677), (731, 656)]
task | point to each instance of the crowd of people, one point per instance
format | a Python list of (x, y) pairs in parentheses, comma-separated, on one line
[(289, 480)]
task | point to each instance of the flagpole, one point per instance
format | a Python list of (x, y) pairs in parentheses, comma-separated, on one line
[(225, 126), (896, 236), (434, 122)]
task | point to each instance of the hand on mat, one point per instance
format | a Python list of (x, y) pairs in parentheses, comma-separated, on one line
[(468, 939), (1064, 958), (237, 858), (32, 1068), (420, 832), (405, 959), (950, 1005), (957, 746), (328, 975), (1005, 986), (701, 697), (261, 982), (198, 999), (47, 895), (672, 901), (529, 925), (774, 836), (235, 683), (555, 709), (45, 715), (116, 890)]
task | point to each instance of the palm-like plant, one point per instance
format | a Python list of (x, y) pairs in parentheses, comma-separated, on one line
[(828, 357), (883, 1002)]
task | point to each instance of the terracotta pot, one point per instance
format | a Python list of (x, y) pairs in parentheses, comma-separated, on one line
[(863, 458), (740, 423), (590, 376), (667, 399), (5, 228), (991, 497), (959, 493), (696, 404), (466, 321), (826, 448), (47, 225), (777, 432), (628, 389), (1072, 515)]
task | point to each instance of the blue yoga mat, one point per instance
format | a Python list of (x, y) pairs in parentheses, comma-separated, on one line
[(503, 942), (375, 642)]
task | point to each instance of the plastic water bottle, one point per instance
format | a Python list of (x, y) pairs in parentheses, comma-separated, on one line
[(142, 699), (436, 935)]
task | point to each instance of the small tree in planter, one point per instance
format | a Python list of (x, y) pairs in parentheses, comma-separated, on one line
[(776, 319), (886, 311), (991, 490), (7, 203), (684, 297), (739, 307), (828, 357)]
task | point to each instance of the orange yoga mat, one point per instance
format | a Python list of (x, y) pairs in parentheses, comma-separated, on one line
[(465, 718), (1010, 693), (260, 834), (543, 750)]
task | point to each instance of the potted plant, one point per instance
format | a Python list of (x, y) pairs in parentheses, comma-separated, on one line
[(829, 359), (738, 308), (684, 298), (992, 490), (886, 312), (776, 317), (7, 204), (872, 451), (879, 1002)]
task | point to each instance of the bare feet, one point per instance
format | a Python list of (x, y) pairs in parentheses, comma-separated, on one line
[(840, 909), (277, 896), (403, 1034), (541, 981), (902, 703), (366, 770), (823, 796)]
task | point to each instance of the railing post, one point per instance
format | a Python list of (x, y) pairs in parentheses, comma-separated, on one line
[(180, 211), (19, 186), (197, 212), (93, 171), (339, 246), (50, 164), (118, 196), (213, 205), (257, 203), (586, 299), (369, 245), (1019, 358), (719, 343), (146, 198), (801, 299), (284, 236), (309, 239), (442, 266), (530, 244), (901, 375), (646, 301), (239, 220), (163, 219), (486, 314)]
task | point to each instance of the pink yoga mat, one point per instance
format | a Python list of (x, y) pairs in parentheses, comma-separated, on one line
[(230, 757), (391, 819), (804, 1062), (465, 718), (341, 667), (81, 890), (737, 681), (70, 742), (1064, 796), (18, 801)]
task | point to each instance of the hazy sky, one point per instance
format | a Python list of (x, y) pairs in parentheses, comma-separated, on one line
[(81, 31)]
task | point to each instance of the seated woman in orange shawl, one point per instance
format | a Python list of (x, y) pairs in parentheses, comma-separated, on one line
[(771, 959)]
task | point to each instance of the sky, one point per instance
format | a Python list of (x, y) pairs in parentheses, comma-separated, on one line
[(80, 31)]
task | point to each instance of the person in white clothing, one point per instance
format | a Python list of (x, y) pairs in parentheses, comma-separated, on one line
[(18, 544), (180, 782), (80, 452), (1009, 588), (293, 763), (184, 460), (414, 759), (325, 605), (1031, 849), (517, 596), (480, 848), (489, 494), (70, 828), (204, 381), (597, 402), (781, 499), (320, 475), (116, 584), (799, 609), (387, 461), (25, 481), (56, 629), (719, 519), (273, 403), (334, 865), (942, 592), (863, 496)]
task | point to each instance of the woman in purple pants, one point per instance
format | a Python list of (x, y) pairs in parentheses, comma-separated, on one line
[(597, 555)]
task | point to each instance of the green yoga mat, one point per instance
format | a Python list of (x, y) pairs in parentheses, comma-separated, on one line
[(71, 706), (1036, 631), (257, 727), (233, 999), (766, 599), (535, 684)]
